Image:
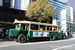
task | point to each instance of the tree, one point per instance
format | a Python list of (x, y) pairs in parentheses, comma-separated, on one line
[(41, 10)]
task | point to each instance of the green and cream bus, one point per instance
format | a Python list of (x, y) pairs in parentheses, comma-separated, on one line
[(28, 30)]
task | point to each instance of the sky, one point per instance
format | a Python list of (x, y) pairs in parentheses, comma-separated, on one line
[(63, 0)]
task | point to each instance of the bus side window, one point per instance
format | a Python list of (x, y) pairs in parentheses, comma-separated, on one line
[(34, 27), (22, 26), (41, 28), (49, 28)]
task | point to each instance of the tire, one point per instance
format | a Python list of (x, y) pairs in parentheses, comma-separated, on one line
[(22, 38), (52, 38)]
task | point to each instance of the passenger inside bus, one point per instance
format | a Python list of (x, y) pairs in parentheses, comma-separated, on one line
[(34, 27), (49, 28)]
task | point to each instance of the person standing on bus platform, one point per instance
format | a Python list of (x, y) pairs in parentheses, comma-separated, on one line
[(66, 35), (62, 35), (17, 27), (71, 33)]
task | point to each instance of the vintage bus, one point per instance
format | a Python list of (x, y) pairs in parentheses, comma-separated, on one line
[(27, 30)]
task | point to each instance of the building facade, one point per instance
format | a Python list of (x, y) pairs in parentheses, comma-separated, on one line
[(71, 26), (20, 4), (15, 9), (72, 4), (1, 3), (59, 6), (63, 19), (8, 14), (69, 14)]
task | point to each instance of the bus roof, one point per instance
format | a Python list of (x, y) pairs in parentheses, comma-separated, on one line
[(36, 23)]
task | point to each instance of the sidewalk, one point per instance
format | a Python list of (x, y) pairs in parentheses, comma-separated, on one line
[(3, 40), (8, 42), (73, 35)]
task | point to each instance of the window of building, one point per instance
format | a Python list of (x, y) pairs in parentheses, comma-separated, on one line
[(34, 27), (0, 13), (6, 0), (32, 1), (6, 3)]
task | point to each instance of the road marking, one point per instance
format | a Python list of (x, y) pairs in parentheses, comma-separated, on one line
[(4, 46), (64, 47)]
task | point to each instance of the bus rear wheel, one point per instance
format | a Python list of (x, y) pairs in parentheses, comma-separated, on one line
[(52, 38), (22, 38)]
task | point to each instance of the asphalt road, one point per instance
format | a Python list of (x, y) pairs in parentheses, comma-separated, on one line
[(67, 44)]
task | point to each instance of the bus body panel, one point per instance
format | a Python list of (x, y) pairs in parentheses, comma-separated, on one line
[(56, 34), (53, 33), (59, 35), (15, 32)]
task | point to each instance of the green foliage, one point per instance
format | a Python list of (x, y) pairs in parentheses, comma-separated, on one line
[(41, 10)]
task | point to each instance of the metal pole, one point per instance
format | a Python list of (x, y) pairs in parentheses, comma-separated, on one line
[(46, 27), (29, 26), (38, 27)]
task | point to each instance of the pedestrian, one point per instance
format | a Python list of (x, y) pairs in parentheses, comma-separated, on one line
[(71, 34), (62, 35), (1, 29), (68, 34), (3, 33), (7, 33)]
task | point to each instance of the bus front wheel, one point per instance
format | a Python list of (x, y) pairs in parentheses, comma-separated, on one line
[(22, 38)]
